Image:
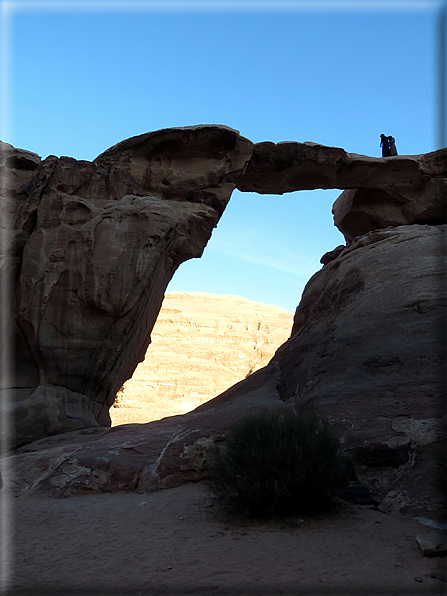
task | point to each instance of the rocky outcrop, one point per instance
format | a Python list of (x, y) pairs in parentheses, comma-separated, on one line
[(359, 211), (202, 344), (366, 342), (92, 248), (368, 350)]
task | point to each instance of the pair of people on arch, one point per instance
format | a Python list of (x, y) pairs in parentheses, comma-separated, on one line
[(388, 145)]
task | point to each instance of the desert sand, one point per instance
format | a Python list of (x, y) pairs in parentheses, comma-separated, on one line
[(180, 541)]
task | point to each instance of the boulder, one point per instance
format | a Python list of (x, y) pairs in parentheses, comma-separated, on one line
[(92, 248), (433, 545), (359, 211)]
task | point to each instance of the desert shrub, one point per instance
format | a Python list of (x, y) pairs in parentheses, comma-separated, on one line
[(273, 465)]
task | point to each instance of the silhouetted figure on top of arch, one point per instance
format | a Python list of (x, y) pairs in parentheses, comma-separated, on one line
[(385, 144), (392, 142), (388, 145)]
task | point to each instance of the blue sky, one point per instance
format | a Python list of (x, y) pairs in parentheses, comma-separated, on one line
[(80, 77)]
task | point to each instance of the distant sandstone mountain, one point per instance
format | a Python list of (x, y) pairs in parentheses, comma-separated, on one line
[(202, 344)]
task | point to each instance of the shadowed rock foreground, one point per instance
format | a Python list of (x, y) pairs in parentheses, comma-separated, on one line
[(94, 245)]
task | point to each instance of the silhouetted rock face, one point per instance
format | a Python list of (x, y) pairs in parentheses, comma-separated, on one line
[(289, 166), (365, 341), (357, 212), (391, 198), (93, 247), (367, 350)]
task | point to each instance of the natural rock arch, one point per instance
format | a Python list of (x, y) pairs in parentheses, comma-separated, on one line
[(93, 245)]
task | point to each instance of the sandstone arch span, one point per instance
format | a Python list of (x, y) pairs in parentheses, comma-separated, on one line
[(91, 246)]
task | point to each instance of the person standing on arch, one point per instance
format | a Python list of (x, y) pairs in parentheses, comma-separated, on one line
[(392, 144), (385, 144)]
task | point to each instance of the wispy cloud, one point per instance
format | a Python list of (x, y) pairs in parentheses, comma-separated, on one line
[(290, 263)]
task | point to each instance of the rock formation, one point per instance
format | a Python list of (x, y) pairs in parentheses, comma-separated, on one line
[(202, 344), (93, 246), (380, 192), (290, 166), (367, 350)]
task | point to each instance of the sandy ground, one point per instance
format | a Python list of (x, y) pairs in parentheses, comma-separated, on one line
[(179, 541)]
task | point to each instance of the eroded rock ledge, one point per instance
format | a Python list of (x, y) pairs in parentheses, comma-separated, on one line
[(380, 192)]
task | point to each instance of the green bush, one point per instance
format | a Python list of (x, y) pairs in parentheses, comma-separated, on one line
[(273, 465)]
